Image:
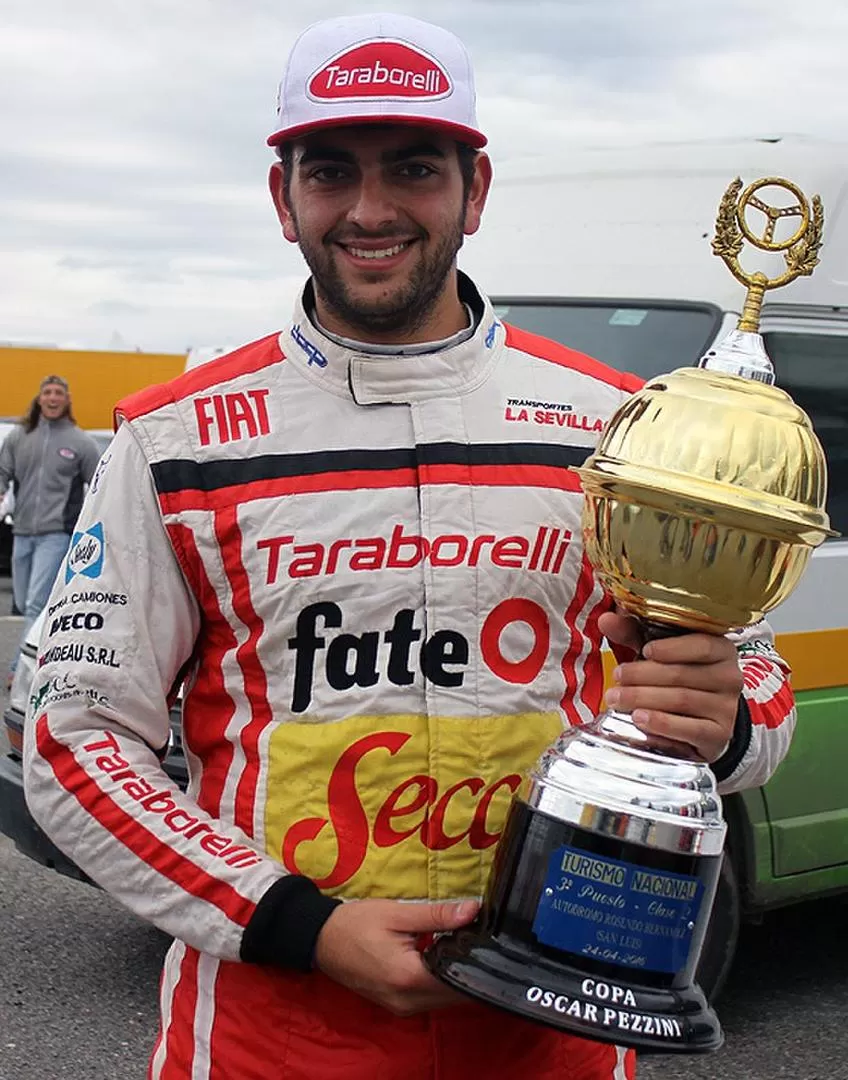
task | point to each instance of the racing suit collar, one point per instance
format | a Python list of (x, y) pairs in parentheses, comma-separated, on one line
[(377, 379)]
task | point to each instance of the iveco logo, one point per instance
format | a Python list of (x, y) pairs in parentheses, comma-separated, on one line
[(79, 620)]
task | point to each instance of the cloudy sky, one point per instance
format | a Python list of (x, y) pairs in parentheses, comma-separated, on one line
[(133, 204)]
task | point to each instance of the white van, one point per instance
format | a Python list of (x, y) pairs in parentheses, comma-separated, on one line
[(609, 252)]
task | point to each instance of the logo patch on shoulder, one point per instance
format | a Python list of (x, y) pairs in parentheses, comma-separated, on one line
[(223, 418), (85, 557), (313, 353)]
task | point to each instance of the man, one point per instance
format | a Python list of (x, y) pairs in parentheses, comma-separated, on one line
[(47, 459), (375, 592)]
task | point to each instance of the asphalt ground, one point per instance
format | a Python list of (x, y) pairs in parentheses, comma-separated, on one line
[(79, 977)]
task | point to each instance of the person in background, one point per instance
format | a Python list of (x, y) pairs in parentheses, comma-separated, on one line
[(48, 460), (368, 574)]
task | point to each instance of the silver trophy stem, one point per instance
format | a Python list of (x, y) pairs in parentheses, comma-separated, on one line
[(607, 778), (742, 353)]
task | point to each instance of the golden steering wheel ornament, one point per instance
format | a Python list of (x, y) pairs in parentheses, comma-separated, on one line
[(734, 226)]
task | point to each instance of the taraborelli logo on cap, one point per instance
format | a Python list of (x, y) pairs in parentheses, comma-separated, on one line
[(391, 70)]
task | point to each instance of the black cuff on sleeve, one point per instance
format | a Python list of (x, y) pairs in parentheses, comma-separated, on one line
[(727, 764), (286, 923)]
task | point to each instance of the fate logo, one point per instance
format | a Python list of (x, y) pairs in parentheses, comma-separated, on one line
[(85, 557), (398, 652)]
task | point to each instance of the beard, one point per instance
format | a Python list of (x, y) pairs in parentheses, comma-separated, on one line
[(406, 306)]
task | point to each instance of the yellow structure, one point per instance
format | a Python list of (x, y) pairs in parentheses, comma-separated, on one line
[(97, 378)]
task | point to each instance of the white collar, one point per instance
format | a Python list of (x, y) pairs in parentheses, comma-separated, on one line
[(352, 369), (375, 349)]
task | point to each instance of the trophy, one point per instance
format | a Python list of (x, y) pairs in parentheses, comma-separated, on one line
[(703, 502)]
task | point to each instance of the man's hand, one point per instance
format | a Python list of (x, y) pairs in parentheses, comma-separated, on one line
[(684, 694), (371, 946)]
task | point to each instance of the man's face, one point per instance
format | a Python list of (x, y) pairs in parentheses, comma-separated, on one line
[(53, 401), (379, 213)]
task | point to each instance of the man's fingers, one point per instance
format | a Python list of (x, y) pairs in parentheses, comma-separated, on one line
[(716, 679), (692, 737), (621, 630), (691, 649), (677, 700), (371, 947), (424, 918), (672, 748)]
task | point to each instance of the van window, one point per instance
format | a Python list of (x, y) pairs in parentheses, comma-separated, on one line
[(647, 338), (813, 368)]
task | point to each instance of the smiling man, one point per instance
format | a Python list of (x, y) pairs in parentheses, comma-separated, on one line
[(379, 214), (371, 583)]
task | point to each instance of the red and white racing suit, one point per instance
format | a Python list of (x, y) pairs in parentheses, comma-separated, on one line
[(369, 571)]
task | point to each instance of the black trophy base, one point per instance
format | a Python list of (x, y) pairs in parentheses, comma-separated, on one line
[(647, 1018), (591, 934)]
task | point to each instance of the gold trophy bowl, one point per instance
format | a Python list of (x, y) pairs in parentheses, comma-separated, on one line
[(703, 502)]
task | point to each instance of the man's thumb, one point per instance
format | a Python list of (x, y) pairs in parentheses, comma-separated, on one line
[(433, 918), (450, 916)]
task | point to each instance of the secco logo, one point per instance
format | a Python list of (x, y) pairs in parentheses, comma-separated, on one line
[(367, 806), (85, 557), (390, 70)]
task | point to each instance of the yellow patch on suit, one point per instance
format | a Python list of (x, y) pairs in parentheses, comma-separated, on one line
[(398, 806)]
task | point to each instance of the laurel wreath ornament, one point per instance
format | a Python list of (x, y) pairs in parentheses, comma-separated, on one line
[(728, 242), (803, 257)]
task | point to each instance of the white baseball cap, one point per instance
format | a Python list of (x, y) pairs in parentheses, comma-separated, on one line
[(377, 68)]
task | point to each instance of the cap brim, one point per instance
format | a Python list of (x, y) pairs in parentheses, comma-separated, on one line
[(456, 131)]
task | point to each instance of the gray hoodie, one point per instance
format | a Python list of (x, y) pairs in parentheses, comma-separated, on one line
[(48, 467)]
